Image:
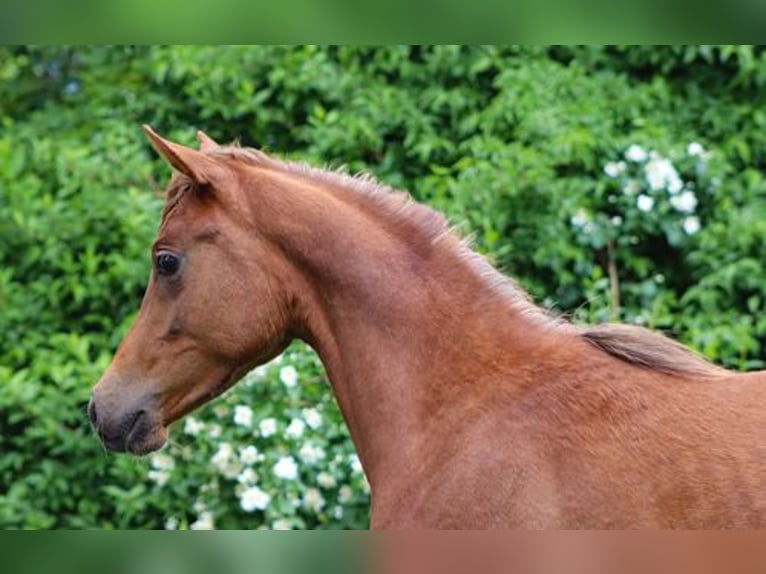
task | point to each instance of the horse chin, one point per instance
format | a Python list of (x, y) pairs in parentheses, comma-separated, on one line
[(142, 441)]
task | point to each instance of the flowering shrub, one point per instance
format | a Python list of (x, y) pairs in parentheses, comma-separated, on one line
[(645, 194), (277, 456), (655, 185), (646, 202)]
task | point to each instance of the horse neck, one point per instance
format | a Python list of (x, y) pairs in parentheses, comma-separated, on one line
[(405, 329)]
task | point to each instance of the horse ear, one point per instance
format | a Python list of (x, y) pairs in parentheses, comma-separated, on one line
[(196, 165), (206, 143)]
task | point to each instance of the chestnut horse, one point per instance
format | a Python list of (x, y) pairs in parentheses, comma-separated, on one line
[(469, 406)]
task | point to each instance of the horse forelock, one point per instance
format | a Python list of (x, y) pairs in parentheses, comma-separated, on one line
[(176, 191)]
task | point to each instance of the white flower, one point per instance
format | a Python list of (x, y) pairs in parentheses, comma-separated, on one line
[(215, 430), (232, 469), (685, 202), (661, 174), (636, 153), (614, 168), (249, 455), (243, 415), (644, 202), (655, 174), (204, 522), (247, 476), (199, 507), (258, 372), (337, 512), (286, 468), (312, 418), (631, 188), (311, 454), (223, 455), (675, 184), (267, 427), (295, 428), (691, 225), (158, 476), (345, 494), (313, 499), (172, 523), (289, 376), (580, 219), (616, 220), (225, 461), (326, 480), (257, 375), (281, 524), (356, 464), (254, 499), (162, 461), (695, 149), (193, 427)]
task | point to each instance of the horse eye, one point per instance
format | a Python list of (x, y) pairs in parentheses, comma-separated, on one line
[(167, 264)]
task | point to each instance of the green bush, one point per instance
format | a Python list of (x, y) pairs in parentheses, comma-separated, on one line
[(612, 182)]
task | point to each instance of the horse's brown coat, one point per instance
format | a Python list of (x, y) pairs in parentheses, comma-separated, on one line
[(469, 406)]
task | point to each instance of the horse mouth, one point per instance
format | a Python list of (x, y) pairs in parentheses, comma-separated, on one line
[(186, 404), (140, 436), (145, 437)]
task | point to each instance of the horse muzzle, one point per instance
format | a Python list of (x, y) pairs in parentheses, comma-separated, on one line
[(135, 429)]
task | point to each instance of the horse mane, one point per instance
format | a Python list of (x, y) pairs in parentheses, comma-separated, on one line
[(631, 344), (649, 349), (398, 207), (388, 200)]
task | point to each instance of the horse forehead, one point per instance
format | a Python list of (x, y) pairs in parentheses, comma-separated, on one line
[(188, 219)]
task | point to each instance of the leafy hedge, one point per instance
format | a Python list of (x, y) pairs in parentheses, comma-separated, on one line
[(619, 182)]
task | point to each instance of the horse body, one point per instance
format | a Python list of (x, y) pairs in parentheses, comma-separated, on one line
[(582, 451), (571, 437), (468, 405)]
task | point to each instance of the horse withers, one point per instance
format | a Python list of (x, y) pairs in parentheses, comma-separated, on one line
[(469, 406)]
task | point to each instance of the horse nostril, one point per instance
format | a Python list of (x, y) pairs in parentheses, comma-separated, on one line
[(92, 412)]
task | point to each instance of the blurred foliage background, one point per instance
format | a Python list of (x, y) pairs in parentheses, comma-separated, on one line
[(614, 183)]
